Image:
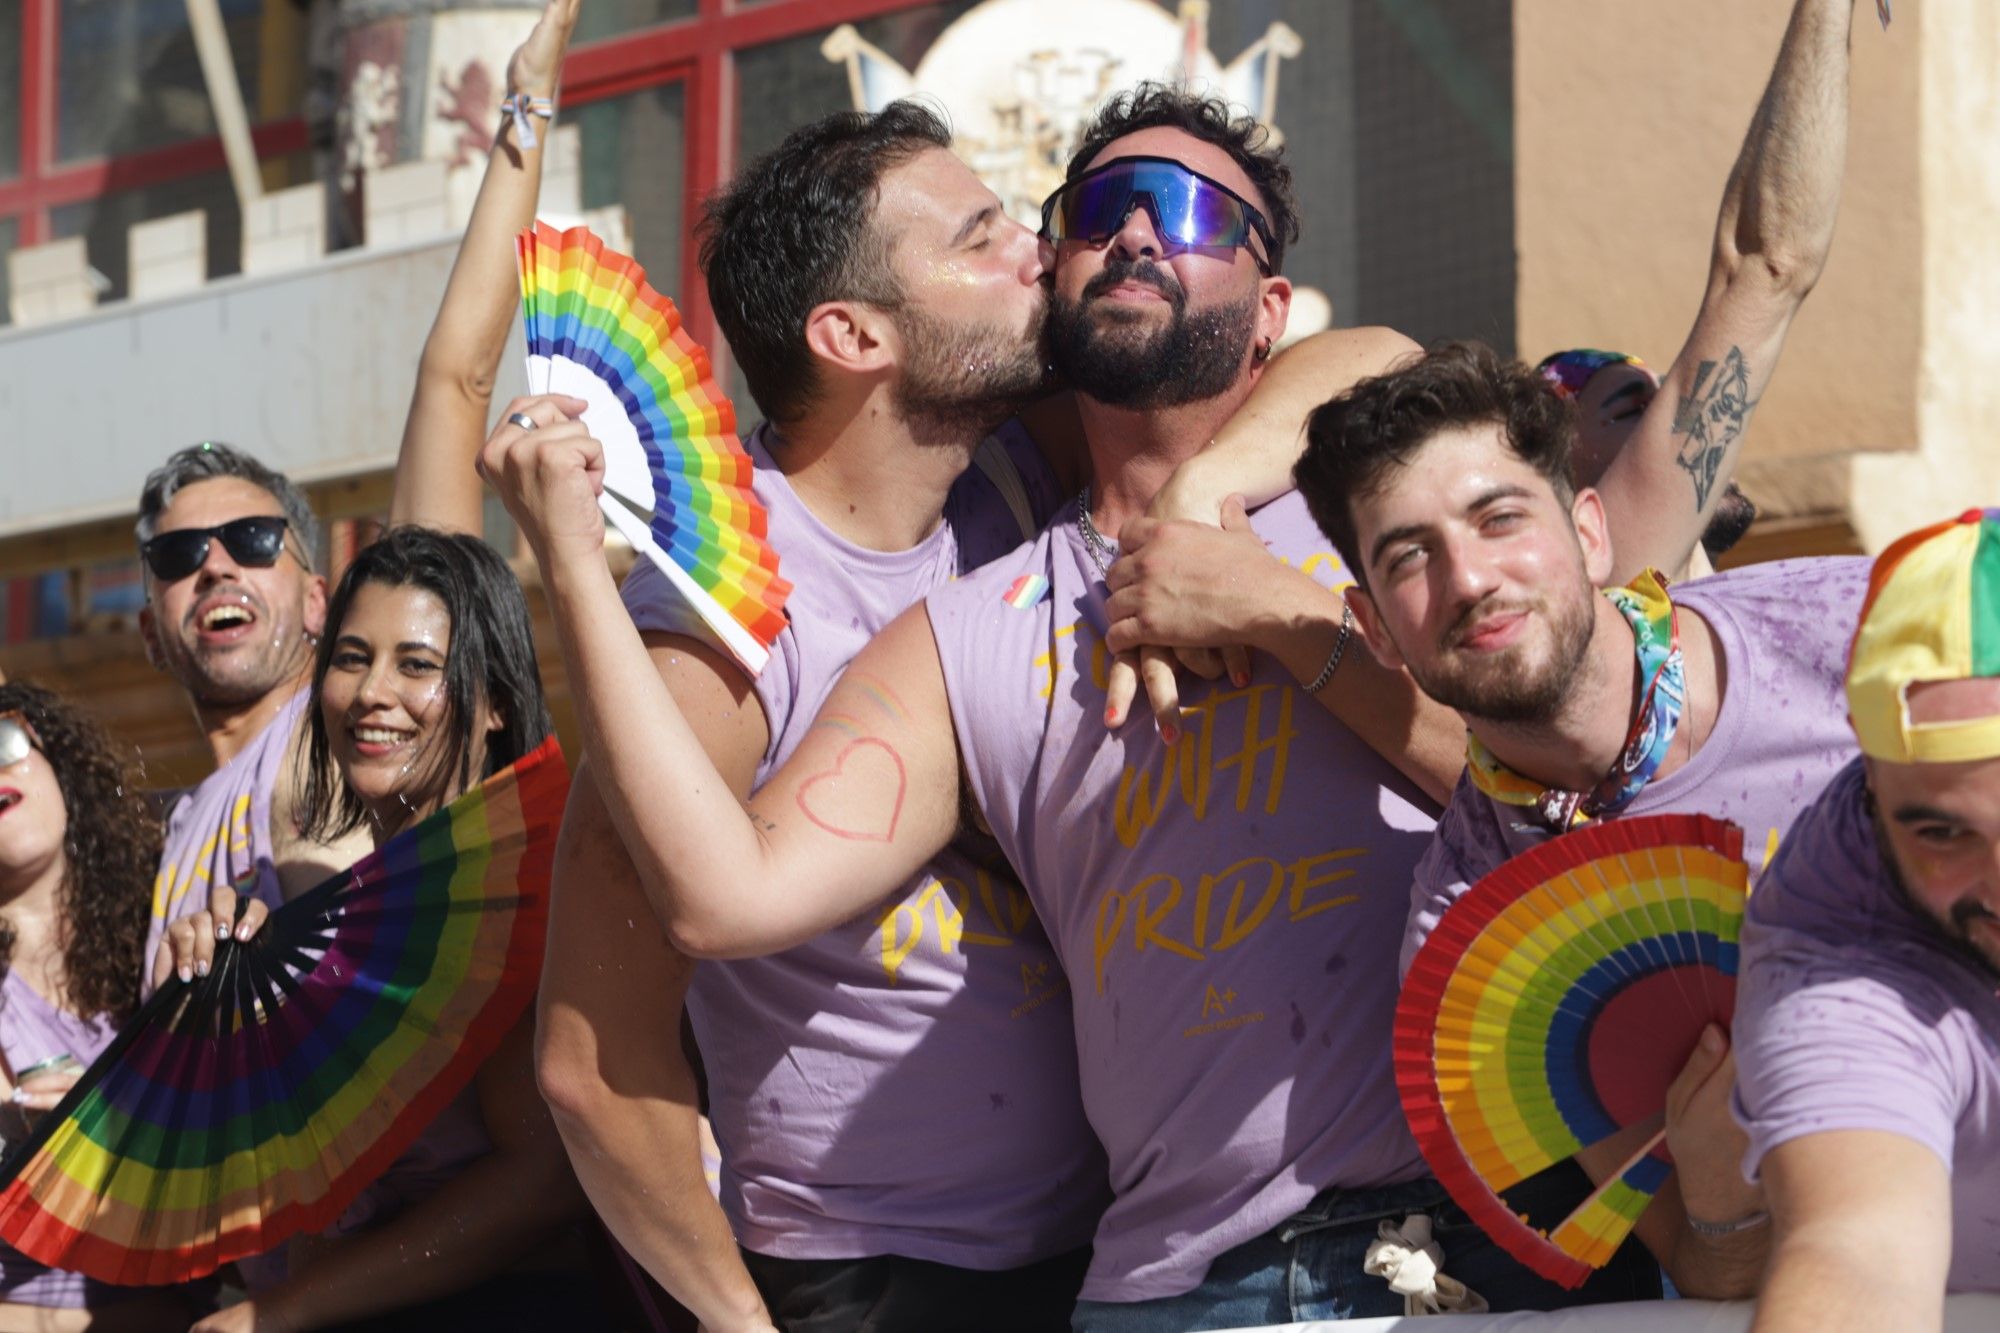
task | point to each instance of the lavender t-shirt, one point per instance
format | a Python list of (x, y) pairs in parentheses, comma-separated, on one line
[(1227, 908), (1782, 732), (220, 833), (33, 1030), (1854, 1015), (905, 1083)]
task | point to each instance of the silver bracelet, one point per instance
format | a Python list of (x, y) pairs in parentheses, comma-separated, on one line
[(1339, 650), (1718, 1230)]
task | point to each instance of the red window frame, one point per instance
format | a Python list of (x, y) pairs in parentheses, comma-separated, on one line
[(697, 51)]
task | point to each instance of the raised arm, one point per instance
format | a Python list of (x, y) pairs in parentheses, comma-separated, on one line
[(1771, 243), (1863, 1234), (435, 481), (870, 795)]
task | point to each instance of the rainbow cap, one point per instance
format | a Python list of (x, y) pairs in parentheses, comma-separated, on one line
[(1567, 372), (1932, 614)]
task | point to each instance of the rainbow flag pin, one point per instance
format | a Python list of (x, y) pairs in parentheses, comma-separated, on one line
[(1025, 591)]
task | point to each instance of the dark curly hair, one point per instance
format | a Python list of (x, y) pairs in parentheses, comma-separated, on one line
[(111, 853), (1152, 105), (1376, 427), (490, 659), (796, 229)]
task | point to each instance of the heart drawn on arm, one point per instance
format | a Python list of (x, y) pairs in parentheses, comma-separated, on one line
[(869, 764)]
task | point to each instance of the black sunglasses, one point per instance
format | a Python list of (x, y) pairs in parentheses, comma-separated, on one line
[(255, 542)]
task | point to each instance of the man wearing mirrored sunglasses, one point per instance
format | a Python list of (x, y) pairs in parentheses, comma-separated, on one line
[(1225, 895), (233, 609)]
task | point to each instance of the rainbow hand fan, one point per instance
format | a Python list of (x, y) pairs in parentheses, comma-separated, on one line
[(256, 1103), (598, 332), (1553, 1005)]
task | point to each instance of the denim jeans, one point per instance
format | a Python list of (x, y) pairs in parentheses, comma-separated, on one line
[(1310, 1266)]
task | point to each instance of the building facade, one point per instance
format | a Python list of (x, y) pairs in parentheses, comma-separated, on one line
[(1539, 174)]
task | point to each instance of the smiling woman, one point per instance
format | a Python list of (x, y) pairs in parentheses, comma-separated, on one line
[(77, 847), (426, 682)]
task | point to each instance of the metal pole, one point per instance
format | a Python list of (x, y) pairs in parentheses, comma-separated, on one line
[(225, 97)]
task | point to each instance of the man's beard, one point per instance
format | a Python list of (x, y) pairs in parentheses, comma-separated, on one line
[(1500, 687), (966, 380), (245, 672), (1105, 353), (1956, 933)]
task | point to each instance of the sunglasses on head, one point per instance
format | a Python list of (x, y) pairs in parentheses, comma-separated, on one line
[(255, 542), (1188, 209), (17, 737)]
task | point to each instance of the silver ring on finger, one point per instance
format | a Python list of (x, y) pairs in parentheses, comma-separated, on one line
[(523, 420)]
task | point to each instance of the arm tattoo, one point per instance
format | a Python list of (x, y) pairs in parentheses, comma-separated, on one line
[(1709, 418), (758, 821)]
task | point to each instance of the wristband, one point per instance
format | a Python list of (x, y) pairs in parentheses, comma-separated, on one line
[(1717, 1230), (520, 106), (1339, 650)]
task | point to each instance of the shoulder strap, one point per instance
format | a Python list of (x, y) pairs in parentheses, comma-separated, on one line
[(993, 460)]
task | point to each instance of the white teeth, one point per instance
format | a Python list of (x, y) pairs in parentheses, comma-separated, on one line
[(379, 736), (223, 617)]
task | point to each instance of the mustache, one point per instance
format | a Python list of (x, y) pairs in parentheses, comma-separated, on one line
[(1483, 609), (1144, 272), (1966, 911)]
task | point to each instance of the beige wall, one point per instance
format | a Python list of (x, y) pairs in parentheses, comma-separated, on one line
[(1959, 382), (1627, 119)]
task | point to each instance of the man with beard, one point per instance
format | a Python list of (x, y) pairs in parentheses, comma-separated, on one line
[(1224, 897), (902, 1145), (233, 603), (233, 610), (1446, 487), (1869, 1025)]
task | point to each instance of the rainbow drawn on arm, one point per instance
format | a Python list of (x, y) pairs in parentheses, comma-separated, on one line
[(597, 331)]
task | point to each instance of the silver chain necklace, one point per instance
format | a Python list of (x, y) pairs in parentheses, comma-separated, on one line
[(1101, 551)]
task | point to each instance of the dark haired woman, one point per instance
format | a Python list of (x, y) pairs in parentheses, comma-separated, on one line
[(425, 683), (78, 846)]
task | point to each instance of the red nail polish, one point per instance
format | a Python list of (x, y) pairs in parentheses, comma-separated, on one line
[(1239, 678), (1170, 733), (1110, 717)]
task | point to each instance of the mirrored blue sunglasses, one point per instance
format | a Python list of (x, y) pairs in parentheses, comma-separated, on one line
[(1188, 209)]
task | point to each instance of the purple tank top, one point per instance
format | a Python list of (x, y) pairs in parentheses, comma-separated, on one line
[(33, 1030), (220, 833), (904, 1084), (1227, 908)]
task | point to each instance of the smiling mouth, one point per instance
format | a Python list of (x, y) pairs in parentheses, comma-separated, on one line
[(1477, 637), (380, 738), (225, 614)]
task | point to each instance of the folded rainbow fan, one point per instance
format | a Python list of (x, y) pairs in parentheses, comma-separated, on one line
[(1552, 1006), (256, 1103), (598, 332)]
